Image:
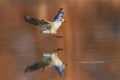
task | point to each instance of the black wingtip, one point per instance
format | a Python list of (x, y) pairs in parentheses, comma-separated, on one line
[(27, 70), (26, 17)]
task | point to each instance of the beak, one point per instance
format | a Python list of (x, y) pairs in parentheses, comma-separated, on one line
[(65, 21)]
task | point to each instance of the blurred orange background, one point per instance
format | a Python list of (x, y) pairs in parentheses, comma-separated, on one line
[(91, 39)]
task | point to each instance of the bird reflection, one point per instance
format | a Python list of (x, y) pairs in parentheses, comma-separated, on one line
[(48, 60)]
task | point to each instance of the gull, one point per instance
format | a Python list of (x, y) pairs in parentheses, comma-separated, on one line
[(48, 60), (49, 27)]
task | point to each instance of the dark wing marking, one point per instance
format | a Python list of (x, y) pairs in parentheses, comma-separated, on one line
[(39, 65), (59, 15), (38, 22)]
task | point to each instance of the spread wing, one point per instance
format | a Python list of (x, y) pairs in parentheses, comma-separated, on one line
[(42, 64), (38, 22), (59, 15), (60, 70)]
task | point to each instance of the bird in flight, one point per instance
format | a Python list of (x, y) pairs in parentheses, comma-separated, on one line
[(48, 60), (48, 27)]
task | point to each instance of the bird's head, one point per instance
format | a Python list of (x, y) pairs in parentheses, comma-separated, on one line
[(64, 66), (62, 20)]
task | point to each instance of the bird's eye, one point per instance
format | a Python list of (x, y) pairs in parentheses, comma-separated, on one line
[(61, 19)]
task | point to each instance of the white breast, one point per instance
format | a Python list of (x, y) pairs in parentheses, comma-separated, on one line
[(55, 27), (56, 60)]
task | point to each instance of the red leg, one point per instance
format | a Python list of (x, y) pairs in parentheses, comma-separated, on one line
[(58, 49), (57, 36)]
